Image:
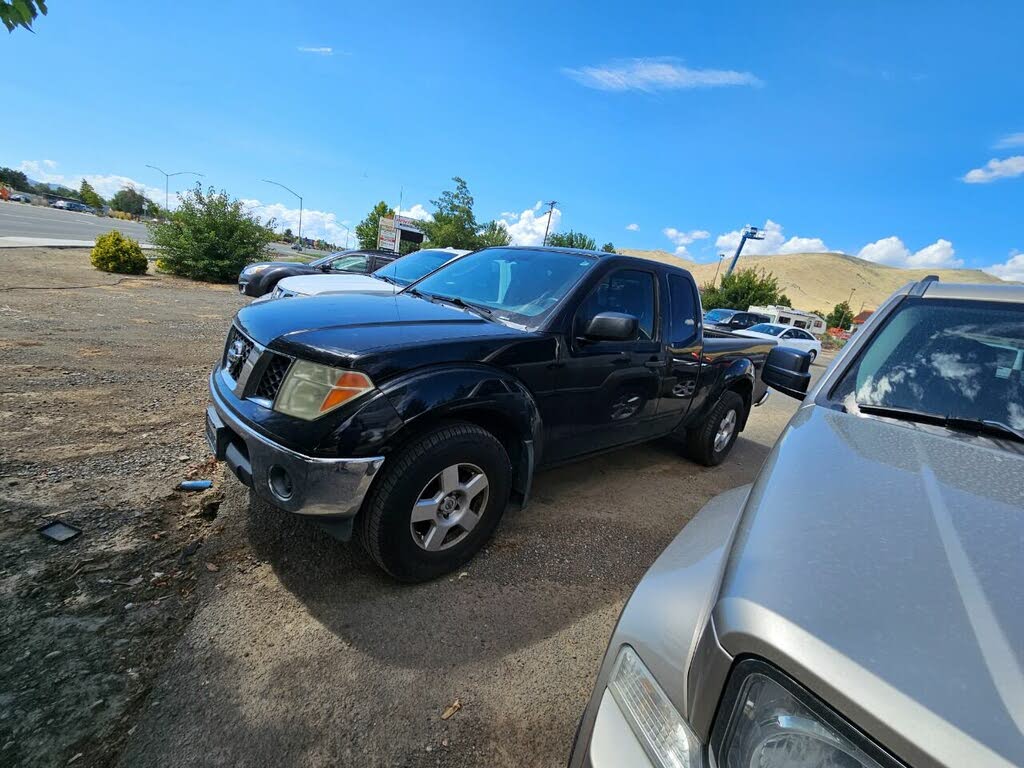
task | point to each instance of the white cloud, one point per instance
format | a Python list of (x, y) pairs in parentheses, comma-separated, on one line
[(527, 228), (774, 242), (315, 224), (680, 239), (633, 227), (417, 212), (892, 251), (655, 74), (996, 169), (1010, 140), (107, 185), (1011, 269), (317, 51)]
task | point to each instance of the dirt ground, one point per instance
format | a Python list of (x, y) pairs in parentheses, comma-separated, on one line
[(208, 629)]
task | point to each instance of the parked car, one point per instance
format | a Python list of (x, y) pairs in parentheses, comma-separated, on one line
[(860, 605), (258, 279), (795, 338), (731, 319), (415, 418), (388, 280), (20, 197)]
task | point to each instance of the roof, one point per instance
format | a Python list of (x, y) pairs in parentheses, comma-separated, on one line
[(863, 317), (974, 292)]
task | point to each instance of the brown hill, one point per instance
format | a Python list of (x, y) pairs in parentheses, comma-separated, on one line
[(822, 280)]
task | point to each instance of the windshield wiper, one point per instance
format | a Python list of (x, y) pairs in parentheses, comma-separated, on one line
[(958, 423), (386, 279), (463, 303)]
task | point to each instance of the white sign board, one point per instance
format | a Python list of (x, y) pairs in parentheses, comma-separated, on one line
[(387, 235)]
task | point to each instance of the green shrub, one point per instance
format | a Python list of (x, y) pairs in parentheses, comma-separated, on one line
[(209, 237), (116, 253)]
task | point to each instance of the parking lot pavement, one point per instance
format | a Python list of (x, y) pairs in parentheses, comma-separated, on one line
[(22, 220), (310, 655)]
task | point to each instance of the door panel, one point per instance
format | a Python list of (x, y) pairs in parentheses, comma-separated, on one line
[(608, 390), (682, 373)]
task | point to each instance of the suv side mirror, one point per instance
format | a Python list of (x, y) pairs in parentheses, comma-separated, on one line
[(787, 371), (611, 326)]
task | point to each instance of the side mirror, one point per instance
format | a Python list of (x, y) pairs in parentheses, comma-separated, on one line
[(787, 371), (611, 326)]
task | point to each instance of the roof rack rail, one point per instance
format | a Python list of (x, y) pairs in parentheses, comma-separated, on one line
[(922, 285)]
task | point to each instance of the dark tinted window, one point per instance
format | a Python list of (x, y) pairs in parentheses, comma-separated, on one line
[(684, 310), (411, 268), (630, 291), (947, 358)]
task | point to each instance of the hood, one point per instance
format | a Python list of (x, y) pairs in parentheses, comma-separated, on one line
[(881, 564), (380, 335), (295, 265), (311, 285)]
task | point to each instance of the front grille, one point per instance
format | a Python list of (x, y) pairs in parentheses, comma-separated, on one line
[(273, 376), (236, 352)]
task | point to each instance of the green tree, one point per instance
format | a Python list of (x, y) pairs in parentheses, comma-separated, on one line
[(742, 289), (494, 233), (840, 317), (21, 13), (210, 237), (15, 180), (90, 196), (454, 224), (608, 248), (287, 234), (572, 239), (366, 230), (130, 200)]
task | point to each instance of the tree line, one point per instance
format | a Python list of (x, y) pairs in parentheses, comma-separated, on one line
[(127, 200)]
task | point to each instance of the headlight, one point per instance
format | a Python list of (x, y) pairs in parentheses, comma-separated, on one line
[(666, 738), (255, 269), (774, 723), (311, 390)]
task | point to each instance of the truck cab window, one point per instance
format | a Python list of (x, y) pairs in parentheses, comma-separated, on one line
[(684, 311), (629, 291)]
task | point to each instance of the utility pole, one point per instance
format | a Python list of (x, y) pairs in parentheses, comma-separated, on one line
[(282, 186), (749, 233), (718, 267), (167, 182), (852, 291), (551, 207)]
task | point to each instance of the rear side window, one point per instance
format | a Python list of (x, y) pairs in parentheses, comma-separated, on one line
[(683, 307)]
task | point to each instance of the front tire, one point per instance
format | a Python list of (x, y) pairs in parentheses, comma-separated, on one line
[(711, 442), (814, 355), (437, 502)]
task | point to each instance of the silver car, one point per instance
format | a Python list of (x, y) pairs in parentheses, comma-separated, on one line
[(862, 603)]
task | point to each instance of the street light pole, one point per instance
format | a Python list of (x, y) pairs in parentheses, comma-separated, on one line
[(852, 291), (551, 207), (348, 233), (167, 182), (282, 186)]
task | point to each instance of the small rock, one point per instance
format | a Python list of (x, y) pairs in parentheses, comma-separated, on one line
[(129, 606), (97, 704), (212, 567), (464, 574), (444, 742), (429, 748), (51, 655), (183, 458), (73, 759)]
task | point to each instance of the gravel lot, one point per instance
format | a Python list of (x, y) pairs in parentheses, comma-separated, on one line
[(211, 630)]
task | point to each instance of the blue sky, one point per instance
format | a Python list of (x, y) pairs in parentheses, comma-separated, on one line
[(894, 131)]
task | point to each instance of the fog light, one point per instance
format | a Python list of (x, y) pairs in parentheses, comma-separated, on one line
[(280, 482)]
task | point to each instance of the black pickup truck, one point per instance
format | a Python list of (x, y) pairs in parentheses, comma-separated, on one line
[(415, 418)]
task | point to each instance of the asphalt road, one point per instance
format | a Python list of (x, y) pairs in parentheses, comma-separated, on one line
[(307, 654), (22, 220)]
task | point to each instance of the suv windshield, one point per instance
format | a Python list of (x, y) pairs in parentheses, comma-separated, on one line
[(958, 360), (523, 283), (411, 268), (719, 315), (774, 330)]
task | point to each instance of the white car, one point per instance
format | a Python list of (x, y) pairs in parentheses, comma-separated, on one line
[(787, 336), (389, 279)]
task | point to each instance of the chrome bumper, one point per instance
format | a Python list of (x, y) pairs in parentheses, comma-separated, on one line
[(294, 482)]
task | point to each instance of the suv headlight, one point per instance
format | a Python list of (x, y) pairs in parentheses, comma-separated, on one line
[(310, 390), (657, 725), (773, 722)]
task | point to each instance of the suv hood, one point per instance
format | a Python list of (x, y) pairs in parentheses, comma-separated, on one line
[(380, 335), (882, 565), (311, 285)]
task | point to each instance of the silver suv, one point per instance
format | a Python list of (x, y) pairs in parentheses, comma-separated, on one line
[(862, 603)]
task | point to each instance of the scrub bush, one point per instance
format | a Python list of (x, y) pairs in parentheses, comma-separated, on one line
[(116, 253)]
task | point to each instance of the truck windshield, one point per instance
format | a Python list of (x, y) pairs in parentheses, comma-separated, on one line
[(411, 268), (774, 330), (719, 315), (951, 359), (522, 283)]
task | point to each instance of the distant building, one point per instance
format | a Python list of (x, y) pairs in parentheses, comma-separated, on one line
[(863, 317), (789, 316)]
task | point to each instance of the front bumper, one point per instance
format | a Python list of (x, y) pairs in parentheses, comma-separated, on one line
[(331, 489)]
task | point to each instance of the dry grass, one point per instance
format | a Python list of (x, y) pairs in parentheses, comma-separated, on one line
[(822, 280)]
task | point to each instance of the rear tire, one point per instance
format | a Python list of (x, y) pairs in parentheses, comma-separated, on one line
[(455, 475), (710, 443)]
